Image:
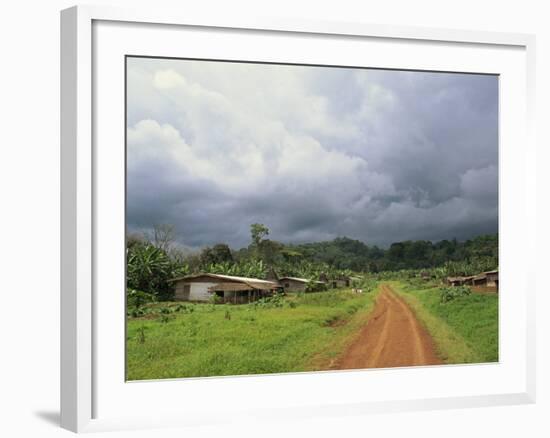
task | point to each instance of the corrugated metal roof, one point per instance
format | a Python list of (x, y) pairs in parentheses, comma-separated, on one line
[(301, 280), (255, 283), (235, 286), (460, 278)]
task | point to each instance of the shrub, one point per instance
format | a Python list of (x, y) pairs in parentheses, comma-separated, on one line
[(183, 308), (135, 312), (165, 314), (312, 286), (215, 299), (164, 318), (150, 268), (276, 300), (135, 302), (137, 298), (447, 294)]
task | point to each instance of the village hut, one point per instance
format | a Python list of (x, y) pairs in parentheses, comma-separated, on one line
[(492, 278), (488, 279), (340, 282), (454, 281), (228, 289), (295, 284), (272, 275), (479, 280), (459, 281)]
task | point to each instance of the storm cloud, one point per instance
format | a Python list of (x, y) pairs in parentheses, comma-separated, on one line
[(312, 152)]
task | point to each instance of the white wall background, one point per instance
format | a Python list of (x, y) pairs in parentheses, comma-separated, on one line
[(29, 215)]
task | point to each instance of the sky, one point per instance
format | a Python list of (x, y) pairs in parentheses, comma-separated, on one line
[(313, 153)]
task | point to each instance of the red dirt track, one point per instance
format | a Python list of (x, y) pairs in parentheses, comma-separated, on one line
[(393, 337)]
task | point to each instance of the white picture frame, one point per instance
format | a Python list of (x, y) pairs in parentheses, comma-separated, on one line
[(85, 174)]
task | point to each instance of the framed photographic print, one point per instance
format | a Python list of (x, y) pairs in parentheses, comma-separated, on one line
[(257, 208)]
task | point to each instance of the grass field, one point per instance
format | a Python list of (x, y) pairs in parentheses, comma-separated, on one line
[(301, 333), (465, 330)]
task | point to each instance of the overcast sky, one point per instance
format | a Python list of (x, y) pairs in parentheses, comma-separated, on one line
[(312, 152)]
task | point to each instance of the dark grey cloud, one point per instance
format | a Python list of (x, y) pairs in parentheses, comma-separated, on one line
[(313, 153)]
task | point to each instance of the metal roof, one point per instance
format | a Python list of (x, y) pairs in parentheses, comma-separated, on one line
[(301, 280), (256, 283)]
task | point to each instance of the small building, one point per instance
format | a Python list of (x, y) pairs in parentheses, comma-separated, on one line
[(340, 282), (484, 280), (295, 284), (492, 278), (479, 280), (229, 289), (459, 281), (454, 281), (272, 275)]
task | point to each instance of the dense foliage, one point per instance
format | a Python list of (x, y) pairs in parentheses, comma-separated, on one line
[(149, 269), (152, 262)]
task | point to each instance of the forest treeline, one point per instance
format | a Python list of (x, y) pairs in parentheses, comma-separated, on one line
[(345, 253), (153, 259)]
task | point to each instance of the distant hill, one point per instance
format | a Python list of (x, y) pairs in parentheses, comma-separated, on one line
[(346, 253)]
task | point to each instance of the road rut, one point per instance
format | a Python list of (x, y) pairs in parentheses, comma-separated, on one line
[(393, 337)]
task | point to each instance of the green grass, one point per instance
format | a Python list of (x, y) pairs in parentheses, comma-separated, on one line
[(217, 340), (465, 330)]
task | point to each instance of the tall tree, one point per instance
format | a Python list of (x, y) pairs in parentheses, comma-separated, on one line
[(219, 253), (258, 232), (164, 236)]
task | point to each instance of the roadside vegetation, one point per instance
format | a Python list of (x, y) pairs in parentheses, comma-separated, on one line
[(299, 332), (464, 325)]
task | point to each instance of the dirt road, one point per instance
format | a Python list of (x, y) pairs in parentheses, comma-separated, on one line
[(393, 337)]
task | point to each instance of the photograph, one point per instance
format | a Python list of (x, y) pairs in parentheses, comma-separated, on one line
[(286, 218)]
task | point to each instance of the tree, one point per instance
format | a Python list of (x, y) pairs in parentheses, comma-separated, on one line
[(149, 268), (396, 251), (133, 239), (164, 236), (270, 251), (291, 255), (258, 232), (219, 253), (266, 250)]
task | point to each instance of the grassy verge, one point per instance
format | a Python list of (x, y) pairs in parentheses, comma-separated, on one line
[(464, 330), (302, 333)]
